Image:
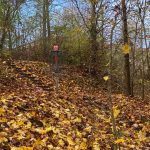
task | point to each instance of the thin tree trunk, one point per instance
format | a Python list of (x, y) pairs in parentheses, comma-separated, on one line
[(4, 32), (48, 19), (143, 73), (110, 102), (2, 41), (147, 51), (44, 30), (133, 62), (10, 40), (126, 56), (93, 34)]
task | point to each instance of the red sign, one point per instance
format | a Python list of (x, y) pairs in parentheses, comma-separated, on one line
[(55, 47)]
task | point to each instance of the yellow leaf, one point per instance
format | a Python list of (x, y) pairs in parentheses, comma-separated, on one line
[(20, 123), (43, 94), (61, 142), (57, 114), (131, 146), (96, 146), (78, 133), (48, 129), (3, 120), (50, 146), (40, 142), (3, 100), (55, 130), (83, 146), (88, 129), (2, 111), (28, 126), (77, 120), (70, 140), (126, 49), (22, 148), (106, 78), (33, 113), (116, 111), (118, 141), (43, 142), (66, 122), (3, 139)]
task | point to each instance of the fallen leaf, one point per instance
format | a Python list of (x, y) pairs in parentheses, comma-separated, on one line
[(118, 141), (22, 148), (70, 140)]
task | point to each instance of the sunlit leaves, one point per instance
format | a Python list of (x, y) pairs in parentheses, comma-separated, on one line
[(61, 142), (69, 122), (79, 134), (88, 129), (3, 139), (118, 141), (96, 146), (77, 119), (46, 130), (2, 111), (40, 142), (21, 148), (3, 120), (70, 140), (83, 145)]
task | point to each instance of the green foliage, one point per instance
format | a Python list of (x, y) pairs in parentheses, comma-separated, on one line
[(6, 54), (76, 45)]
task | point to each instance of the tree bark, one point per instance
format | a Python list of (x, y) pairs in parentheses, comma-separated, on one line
[(126, 56), (5, 25), (133, 61), (44, 30), (93, 35), (48, 18)]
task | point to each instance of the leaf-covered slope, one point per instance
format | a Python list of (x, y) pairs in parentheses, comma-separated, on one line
[(34, 116)]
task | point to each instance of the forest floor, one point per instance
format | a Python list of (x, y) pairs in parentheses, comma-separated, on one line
[(34, 114)]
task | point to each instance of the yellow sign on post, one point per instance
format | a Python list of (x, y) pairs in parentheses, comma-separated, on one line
[(126, 48)]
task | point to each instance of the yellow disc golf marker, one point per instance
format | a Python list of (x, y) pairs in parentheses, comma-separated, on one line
[(126, 49), (106, 78)]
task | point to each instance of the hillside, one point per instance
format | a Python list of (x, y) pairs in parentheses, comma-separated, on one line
[(36, 115)]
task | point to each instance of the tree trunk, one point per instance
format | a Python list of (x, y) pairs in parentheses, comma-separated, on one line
[(147, 49), (93, 36), (48, 18), (44, 30), (126, 56), (2, 39), (142, 68), (10, 40), (133, 61), (4, 25)]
